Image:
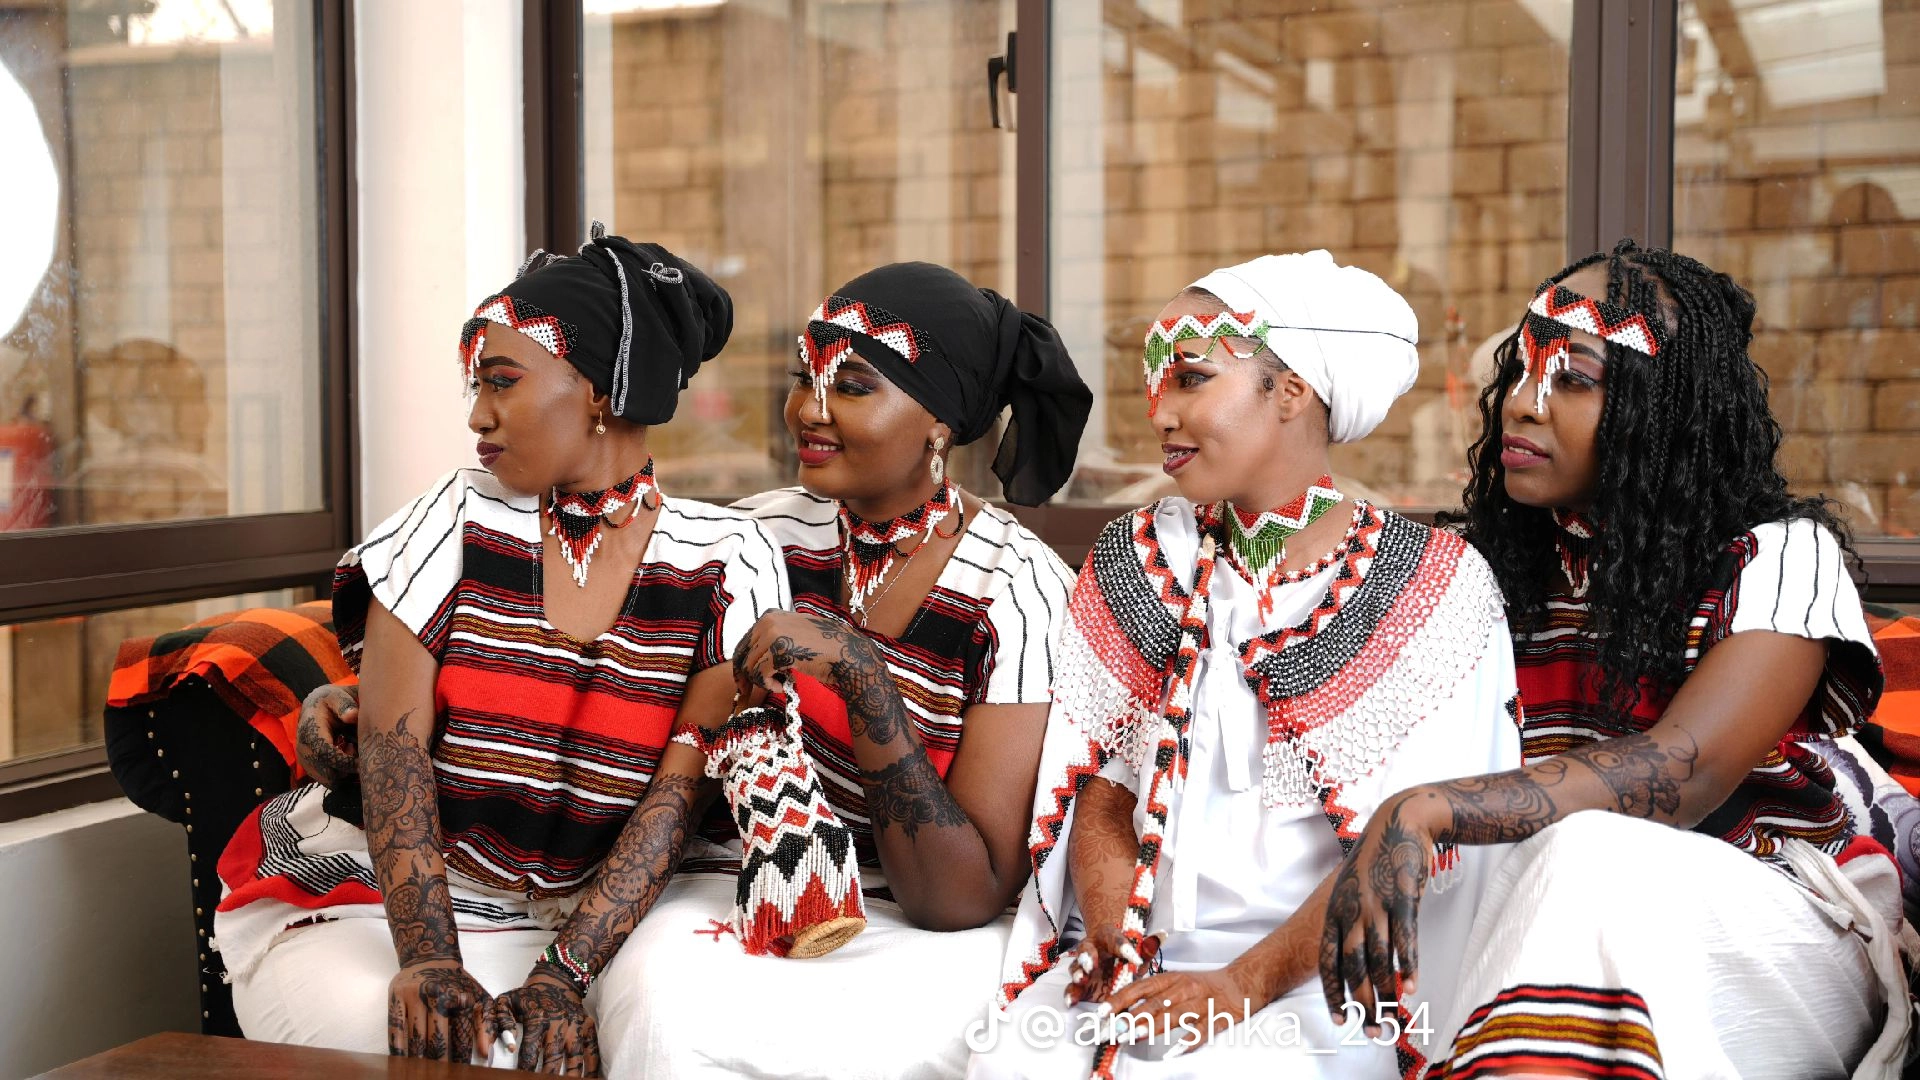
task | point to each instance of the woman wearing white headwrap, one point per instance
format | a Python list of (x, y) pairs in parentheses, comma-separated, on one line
[(1247, 671)]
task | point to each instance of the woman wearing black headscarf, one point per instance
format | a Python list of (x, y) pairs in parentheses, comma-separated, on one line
[(920, 646), (527, 635), (921, 643)]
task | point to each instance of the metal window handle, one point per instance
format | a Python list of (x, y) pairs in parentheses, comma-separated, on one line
[(998, 66)]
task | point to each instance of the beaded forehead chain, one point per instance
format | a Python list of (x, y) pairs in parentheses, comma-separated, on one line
[(1556, 310), (1166, 334)]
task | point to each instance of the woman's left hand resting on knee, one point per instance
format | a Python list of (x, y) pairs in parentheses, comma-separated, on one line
[(954, 848), (1735, 708), (557, 1034), (435, 1008)]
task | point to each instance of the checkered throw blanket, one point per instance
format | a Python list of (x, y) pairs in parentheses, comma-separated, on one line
[(261, 662)]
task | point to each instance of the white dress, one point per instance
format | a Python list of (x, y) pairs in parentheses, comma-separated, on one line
[(1238, 861)]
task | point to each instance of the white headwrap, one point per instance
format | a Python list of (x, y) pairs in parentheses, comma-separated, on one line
[(1346, 332)]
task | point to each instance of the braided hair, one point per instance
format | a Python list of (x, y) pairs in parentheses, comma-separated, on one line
[(1687, 448)]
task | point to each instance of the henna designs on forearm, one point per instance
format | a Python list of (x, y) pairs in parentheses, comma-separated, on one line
[(403, 835), (1102, 852), (643, 859), (909, 793), (1644, 776), (859, 675)]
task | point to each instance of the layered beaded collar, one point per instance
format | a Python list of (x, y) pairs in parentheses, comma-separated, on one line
[(580, 517), (1257, 542), (872, 546)]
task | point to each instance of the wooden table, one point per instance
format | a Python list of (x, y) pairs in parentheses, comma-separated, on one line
[(173, 1055)]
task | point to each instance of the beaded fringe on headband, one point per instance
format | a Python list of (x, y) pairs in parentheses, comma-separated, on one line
[(1557, 309), (1167, 333), (579, 517), (799, 887)]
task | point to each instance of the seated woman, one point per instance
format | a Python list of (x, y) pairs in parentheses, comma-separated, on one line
[(922, 634), (1682, 625), (526, 637), (1248, 671)]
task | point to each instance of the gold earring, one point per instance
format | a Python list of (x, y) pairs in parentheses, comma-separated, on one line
[(600, 422)]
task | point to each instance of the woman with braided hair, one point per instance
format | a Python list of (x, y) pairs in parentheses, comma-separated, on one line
[(527, 635), (1248, 670), (1688, 897)]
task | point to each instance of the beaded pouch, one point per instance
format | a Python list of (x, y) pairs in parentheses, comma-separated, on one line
[(799, 885)]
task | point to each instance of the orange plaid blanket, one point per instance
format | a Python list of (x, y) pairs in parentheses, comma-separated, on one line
[(1892, 734), (262, 663)]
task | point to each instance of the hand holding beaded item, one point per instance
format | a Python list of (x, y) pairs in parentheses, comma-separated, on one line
[(799, 885)]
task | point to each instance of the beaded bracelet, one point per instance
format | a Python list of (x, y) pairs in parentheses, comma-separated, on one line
[(575, 968)]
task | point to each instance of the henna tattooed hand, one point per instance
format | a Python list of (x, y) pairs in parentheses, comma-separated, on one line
[(557, 1034), (1368, 949), (1093, 962), (436, 1010), (787, 641), (328, 737)]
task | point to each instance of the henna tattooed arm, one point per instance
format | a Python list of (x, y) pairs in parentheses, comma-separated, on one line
[(954, 850), (435, 1009), (549, 1009), (1734, 709), (1101, 854)]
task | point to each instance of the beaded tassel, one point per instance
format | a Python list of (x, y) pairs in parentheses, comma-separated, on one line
[(1575, 549), (870, 548), (578, 517), (799, 887), (1257, 543), (1169, 778)]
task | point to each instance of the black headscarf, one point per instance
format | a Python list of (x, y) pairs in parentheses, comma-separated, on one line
[(635, 319), (966, 354)]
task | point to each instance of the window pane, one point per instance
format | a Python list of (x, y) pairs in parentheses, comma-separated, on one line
[(159, 287), (785, 148), (54, 673), (1424, 141), (1797, 171)]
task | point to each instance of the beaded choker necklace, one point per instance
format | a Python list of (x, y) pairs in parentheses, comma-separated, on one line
[(1257, 543), (1575, 544), (578, 516), (870, 545)]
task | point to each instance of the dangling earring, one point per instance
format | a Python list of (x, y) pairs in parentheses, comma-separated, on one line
[(938, 467), (600, 422)]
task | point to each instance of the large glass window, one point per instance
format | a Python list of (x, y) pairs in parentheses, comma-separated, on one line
[(1424, 141), (172, 408), (1797, 171), (160, 310), (786, 147)]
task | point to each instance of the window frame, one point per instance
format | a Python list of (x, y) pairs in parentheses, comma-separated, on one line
[(92, 569), (1622, 55)]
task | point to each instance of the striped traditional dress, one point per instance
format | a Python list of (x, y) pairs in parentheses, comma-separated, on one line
[(543, 743), (986, 634), (1760, 943)]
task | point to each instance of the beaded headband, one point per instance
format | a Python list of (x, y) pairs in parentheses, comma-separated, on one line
[(1544, 336), (830, 331), (1165, 334)]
